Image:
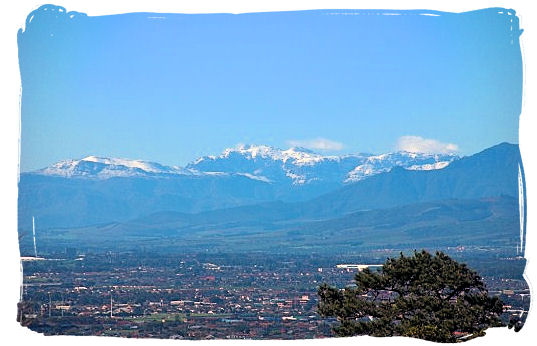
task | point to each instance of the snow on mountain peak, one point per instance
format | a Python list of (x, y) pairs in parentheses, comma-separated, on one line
[(103, 168), (145, 166), (258, 162), (252, 151), (409, 160), (298, 155)]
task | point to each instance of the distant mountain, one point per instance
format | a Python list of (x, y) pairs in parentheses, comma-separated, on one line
[(94, 167), (413, 161), (482, 222), (61, 201), (94, 190), (490, 173), (297, 166), (301, 166), (474, 200)]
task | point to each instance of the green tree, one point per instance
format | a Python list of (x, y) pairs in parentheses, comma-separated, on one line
[(422, 296)]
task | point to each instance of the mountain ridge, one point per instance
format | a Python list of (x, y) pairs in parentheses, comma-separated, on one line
[(260, 162), (60, 201), (489, 173), (453, 222)]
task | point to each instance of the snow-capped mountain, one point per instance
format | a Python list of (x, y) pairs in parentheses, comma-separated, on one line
[(104, 168), (296, 155), (80, 192), (295, 166), (302, 166), (414, 161), (298, 166)]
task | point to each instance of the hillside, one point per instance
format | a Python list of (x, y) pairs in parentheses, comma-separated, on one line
[(484, 222)]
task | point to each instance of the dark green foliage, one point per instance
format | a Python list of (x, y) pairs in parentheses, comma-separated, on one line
[(515, 322), (422, 296)]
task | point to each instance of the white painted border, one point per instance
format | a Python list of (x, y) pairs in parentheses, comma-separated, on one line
[(13, 18)]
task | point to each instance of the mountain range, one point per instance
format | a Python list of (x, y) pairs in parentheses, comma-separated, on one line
[(213, 200), (295, 165), (482, 222), (95, 189)]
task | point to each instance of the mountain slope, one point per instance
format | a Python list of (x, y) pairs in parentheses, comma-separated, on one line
[(492, 172), (471, 199), (96, 189), (484, 222), (58, 201)]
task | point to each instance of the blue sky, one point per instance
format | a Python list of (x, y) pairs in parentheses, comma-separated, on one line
[(170, 88)]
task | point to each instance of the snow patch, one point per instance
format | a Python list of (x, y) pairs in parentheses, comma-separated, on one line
[(255, 177)]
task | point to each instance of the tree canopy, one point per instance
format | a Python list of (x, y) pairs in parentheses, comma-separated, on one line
[(423, 296)]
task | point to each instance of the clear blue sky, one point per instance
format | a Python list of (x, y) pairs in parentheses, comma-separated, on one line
[(174, 87)]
